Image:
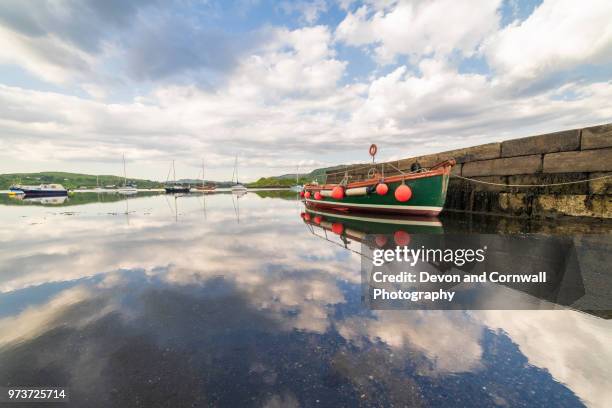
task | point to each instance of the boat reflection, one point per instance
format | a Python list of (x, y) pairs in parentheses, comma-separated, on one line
[(52, 200), (570, 272), (372, 230)]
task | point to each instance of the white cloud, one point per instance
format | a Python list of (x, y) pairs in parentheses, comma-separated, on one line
[(418, 29), (558, 35), (572, 346), (308, 10)]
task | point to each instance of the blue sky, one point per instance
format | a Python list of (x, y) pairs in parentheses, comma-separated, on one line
[(309, 83)]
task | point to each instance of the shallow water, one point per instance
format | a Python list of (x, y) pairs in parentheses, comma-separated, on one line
[(218, 301)]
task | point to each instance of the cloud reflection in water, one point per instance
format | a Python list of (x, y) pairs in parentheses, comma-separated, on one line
[(211, 311)]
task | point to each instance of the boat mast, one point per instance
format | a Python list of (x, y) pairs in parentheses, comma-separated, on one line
[(124, 173), (236, 168), (173, 173), (202, 172)]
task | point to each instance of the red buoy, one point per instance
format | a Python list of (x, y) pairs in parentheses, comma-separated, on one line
[(317, 219), (337, 193), (382, 189), (318, 196), (307, 194), (307, 217), (301, 194), (337, 228), (380, 240), (401, 238), (403, 193)]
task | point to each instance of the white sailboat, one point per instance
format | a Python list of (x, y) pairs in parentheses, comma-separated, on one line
[(237, 188), (126, 189), (98, 188), (297, 187)]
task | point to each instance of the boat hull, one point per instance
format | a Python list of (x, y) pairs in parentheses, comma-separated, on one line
[(44, 193), (428, 196), (177, 190)]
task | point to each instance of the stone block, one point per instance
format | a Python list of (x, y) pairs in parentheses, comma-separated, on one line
[(550, 178), (602, 186), (548, 143), (597, 137), (580, 161), (481, 152), (503, 167), (489, 187), (515, 203), (576, 205)]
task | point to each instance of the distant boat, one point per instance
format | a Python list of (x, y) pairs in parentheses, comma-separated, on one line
[(175, 188), (126, 189), (237, 188), (204, 187), (15, 188), (98, 188), (297, 187), (43, 190)]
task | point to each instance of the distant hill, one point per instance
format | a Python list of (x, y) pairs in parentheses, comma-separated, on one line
[(287, 180), (71, 180)]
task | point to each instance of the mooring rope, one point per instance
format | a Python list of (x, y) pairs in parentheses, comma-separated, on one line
[(532, 185)]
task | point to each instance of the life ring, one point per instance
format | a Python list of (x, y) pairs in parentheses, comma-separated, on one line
[(373, 150)]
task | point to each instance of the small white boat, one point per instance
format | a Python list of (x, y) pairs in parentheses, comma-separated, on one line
[(126, 189), (297, 187), (237, 188)]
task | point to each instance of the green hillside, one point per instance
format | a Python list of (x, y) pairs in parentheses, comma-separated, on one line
[(288, 180), (70, 180)]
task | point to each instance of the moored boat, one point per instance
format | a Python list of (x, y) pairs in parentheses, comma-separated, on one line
[(204, 187), (237, 188), (177, 189), (127, 188), (420, 192), (174, 187), (43, 190)]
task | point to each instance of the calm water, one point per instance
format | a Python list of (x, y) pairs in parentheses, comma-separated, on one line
[(158, 301)]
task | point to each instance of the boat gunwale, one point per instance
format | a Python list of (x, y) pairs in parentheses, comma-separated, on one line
[(439, 169)]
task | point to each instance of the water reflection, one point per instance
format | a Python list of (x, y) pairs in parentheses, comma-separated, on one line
[(189, 307)]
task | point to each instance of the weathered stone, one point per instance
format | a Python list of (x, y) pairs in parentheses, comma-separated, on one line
[(515, 203), (503, 167), (550, 178), (481, 152), (580, 161), (601, 186), (551, 142), (577, 205), (597, 137)]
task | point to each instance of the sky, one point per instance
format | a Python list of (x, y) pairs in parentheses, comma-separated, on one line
[(289, 83)]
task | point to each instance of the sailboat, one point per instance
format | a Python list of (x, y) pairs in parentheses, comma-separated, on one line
[(126, 189), (204, 187), (297, 187), (237, 188), (98, 188), (175, 188)]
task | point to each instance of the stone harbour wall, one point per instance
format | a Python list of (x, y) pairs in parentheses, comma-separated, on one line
[(569, 155)]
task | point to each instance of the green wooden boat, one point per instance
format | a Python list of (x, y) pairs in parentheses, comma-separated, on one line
[(425, 195)]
